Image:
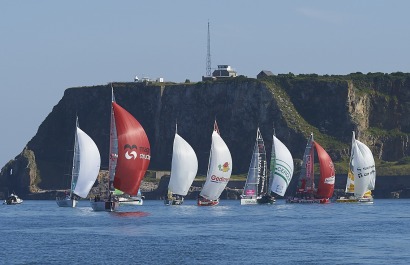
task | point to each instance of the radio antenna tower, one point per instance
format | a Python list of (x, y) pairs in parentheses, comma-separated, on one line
[(208, 54)]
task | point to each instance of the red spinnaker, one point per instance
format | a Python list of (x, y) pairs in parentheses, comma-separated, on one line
[(327, 173), (133, 151)]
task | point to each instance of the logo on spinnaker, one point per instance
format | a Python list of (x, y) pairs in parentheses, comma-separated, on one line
[(330, 180), (224, 167), (219, 179), (129, 154)]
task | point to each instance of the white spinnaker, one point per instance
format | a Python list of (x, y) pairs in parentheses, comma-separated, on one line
[(184, 166), (219, 170), (90, 161), (283, 172), (364, 169)]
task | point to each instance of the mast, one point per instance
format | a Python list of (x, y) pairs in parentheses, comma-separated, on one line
[(350, 175), (74, 171), (169, 194), (272, 164), (113, 155), (261, 160), (306, 183), (216, 129), (210, 157), (210, 152)]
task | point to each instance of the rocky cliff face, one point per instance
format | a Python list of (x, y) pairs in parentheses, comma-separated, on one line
[(331, 107)]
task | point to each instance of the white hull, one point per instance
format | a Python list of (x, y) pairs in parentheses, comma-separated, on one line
[(355, 200), (173, 202), (136, 202), (104, 206), (365, 200), (13, 200), (249, 201), (66, 203), (19, 201)]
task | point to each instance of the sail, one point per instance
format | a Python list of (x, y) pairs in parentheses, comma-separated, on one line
[(306, 179), (327, 173), (257, 168), (281, 167), (364, 169), (133, 151), (350, 174), (113, 146), (184, 166), (219, 169), (89, 164), (76, 161)]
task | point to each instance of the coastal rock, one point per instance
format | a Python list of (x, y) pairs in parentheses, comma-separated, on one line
[(373, 105)]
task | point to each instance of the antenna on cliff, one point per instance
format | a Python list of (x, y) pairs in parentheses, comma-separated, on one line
[(208, 54)]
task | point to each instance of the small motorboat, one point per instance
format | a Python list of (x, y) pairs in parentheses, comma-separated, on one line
[(13, 199)]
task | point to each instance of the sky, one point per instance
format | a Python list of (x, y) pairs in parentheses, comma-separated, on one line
[(48, 46)]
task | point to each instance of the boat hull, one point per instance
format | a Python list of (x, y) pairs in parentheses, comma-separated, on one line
[(307, 201), (13, 200), (355, 200), (62, 202), (7, 202), (131, 201), (107, 206), (249, 201), (174, 202), (266, 200), (206, 202)]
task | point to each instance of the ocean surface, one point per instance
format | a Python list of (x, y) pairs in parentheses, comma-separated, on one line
[(40, 232)]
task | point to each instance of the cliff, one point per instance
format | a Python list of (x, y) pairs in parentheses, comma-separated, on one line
[(374, 105)]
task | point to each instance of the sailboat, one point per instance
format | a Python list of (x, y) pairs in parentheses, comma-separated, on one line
[(306, 192), (86, 166), (252, 192), (280, 172), (184, 167), (129, 157), (281, 167), (361, 177), (219, 171)]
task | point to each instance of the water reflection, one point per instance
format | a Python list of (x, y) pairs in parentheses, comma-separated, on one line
[(130, 214)]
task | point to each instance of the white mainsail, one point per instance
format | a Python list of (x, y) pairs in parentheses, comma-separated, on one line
[(89, 164), (363, 169), (350, 175), (184, 166), (281, 170), (219, 169)]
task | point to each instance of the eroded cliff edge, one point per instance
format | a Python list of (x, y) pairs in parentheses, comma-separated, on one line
[(374, 105)]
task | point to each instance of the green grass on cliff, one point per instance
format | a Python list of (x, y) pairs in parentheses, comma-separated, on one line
[(296, 122)]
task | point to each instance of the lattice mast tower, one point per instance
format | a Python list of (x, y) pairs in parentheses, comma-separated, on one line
[(208, 54)]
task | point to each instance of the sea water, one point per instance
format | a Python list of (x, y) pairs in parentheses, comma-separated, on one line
[(40, 232)]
